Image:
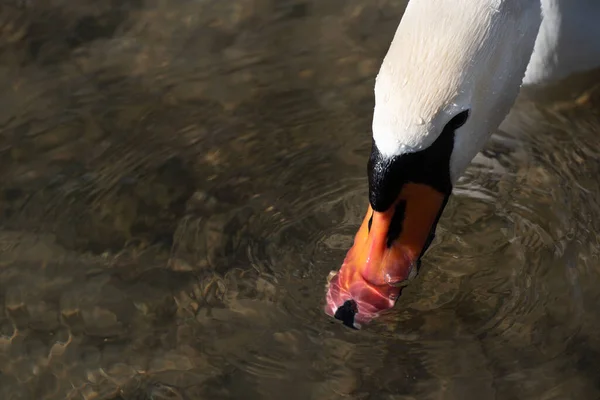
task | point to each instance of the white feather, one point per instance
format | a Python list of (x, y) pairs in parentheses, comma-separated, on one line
[(568, 41), (452, 55)]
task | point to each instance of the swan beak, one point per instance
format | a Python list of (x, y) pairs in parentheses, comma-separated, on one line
[(384, 255)]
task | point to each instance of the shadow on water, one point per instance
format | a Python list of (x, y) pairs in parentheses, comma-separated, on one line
[(178, 179)]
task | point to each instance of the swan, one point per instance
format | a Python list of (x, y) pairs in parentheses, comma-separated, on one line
[(451, 75)]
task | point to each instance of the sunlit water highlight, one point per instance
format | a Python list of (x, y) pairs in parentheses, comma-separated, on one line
[(178, 179)]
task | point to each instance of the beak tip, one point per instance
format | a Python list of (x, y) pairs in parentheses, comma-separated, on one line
[(346, 313), (352, 307)]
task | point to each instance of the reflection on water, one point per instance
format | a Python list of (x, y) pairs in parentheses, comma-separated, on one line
[(178, 178)]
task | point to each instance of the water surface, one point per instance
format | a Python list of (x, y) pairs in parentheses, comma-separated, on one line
[(178, 179)]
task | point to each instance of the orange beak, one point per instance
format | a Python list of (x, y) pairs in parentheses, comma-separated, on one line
[(385, 253)]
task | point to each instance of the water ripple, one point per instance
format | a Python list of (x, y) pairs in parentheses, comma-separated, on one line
[(178, 179)]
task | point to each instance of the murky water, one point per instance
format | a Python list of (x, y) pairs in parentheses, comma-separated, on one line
[(178, 179)]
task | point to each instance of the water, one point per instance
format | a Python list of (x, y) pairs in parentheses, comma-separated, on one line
[(178, 179)]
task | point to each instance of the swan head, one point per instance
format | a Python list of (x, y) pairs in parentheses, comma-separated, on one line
[(451, 75)]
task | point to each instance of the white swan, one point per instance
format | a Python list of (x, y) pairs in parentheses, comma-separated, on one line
[(451, 75)]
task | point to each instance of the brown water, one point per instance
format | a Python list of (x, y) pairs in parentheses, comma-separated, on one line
[(179, 177)]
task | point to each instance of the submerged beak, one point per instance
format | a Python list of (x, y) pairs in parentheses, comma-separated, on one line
[(384, 255)]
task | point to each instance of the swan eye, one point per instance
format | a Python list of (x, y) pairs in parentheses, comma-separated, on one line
[(458, 120)]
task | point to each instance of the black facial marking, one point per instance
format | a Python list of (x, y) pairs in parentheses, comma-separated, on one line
[(430, 166), (395, 228), (458, 120), (433, 226)]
